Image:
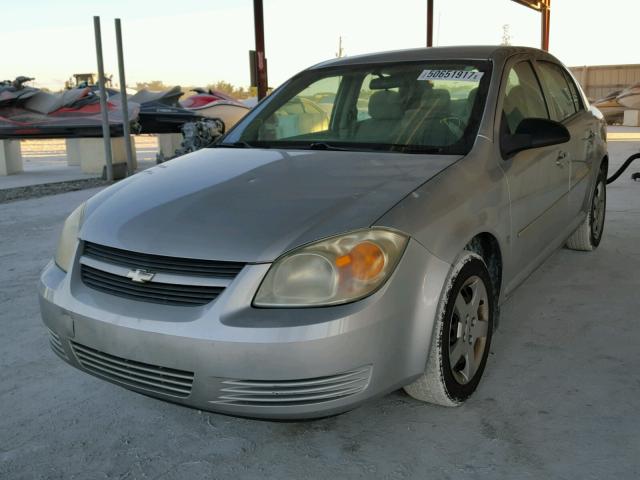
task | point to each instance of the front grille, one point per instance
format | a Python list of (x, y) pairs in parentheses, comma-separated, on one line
[(56, 345), (154, 378), (155, 292), (160, 263), (265, 393)]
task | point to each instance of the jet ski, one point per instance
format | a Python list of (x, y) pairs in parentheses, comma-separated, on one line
[(160, 112), (13, 92), (215, 104), (610, 107), (27, 112), (630, 97)]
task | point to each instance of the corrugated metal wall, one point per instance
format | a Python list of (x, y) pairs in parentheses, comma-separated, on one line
[(599, 80)]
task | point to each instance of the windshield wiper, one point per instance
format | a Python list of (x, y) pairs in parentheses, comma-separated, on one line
[(325, 146), (238, 144), (417, 149)]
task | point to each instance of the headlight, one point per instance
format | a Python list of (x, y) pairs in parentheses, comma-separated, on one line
[(337, 270), (69, 238)]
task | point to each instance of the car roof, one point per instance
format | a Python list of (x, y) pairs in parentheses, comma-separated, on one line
[(497, 53)]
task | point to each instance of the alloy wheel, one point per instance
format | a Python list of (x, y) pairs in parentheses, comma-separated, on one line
[(469, 329), (598, 209)]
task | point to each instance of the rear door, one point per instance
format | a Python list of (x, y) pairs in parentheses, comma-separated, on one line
[(538, 180), (566, 107)]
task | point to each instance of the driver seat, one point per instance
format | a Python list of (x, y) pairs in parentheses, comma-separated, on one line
[(385, 110), (422, 125)]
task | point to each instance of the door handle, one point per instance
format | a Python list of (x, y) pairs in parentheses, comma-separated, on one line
[(562, 155), (590, 136)]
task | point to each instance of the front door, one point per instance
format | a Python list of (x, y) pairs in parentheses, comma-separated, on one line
[(538, 178)]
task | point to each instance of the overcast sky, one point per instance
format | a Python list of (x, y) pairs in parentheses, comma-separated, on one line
[(193, 42)]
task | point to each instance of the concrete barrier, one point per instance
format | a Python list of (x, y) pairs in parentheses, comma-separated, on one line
[(10, 157), (631, 118), (168, 143), (89, 153)]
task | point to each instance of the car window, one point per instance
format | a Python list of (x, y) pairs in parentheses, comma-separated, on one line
[(413, 107), (362, 104), (523, 96), (575, 95), (462, 95), (558, 91), (307, 112)]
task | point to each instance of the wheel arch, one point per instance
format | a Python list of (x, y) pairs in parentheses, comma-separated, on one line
[(487, 246)]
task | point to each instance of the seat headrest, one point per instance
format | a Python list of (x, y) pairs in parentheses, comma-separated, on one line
[(437, 101), (472, 96), (439, 95), (414, 92), (515, 98), (471, 101), (385, 105)]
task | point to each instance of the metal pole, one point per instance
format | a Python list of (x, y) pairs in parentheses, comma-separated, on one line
[(261, 61), (546, 23), (123, 100), (429, 23), (106, 134)]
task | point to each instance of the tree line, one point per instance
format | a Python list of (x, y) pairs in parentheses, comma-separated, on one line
[(221, 86)]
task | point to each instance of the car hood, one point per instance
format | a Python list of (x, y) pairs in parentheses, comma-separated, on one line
[(252, 205)]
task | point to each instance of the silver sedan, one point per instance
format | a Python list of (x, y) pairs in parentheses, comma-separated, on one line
[(315, 258)]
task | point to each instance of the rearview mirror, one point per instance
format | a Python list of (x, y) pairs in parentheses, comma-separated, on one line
[(534, 133)]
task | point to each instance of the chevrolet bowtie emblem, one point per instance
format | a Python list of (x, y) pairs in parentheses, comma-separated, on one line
[(140, 276)]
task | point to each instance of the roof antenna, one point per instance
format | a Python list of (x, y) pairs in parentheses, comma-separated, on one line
[(340, 52), (506, 34)]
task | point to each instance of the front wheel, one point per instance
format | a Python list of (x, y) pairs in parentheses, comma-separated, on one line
[(462, 336), (589, 234)]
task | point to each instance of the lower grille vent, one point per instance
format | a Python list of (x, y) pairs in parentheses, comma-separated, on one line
[(164, 380), (278, 393), (56, 345)]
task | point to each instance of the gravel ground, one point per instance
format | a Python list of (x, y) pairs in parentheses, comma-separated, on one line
[(559, 398), (44, 189)]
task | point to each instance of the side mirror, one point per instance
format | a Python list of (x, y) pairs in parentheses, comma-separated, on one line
[(534, 133)]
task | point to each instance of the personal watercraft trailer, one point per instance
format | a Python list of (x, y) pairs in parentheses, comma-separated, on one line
[(27, 112), (160, 112), (630, 97), (615, 103), (164, 112)]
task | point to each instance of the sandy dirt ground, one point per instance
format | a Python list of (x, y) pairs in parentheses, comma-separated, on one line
[(559, 400)]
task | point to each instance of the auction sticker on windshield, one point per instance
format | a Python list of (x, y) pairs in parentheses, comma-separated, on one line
[(459, 75)]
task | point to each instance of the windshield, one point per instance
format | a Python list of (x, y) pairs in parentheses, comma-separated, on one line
[(418, 107)]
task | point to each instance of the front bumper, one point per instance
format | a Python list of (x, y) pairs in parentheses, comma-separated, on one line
[(230, 357)]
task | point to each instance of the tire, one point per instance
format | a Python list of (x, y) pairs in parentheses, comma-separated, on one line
[(589, 234), (461, 328)]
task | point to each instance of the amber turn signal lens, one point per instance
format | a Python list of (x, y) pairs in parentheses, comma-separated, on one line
[(365, 261)]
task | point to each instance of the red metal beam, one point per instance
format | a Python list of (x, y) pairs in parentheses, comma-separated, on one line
[(544, 7), (261, 61), (546, 24), (535, 4)]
